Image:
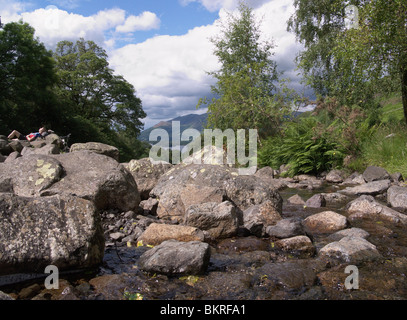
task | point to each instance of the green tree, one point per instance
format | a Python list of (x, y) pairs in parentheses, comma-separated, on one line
[(318, 24), (244, 95), (27, 79), (377, 47), (90, 90)]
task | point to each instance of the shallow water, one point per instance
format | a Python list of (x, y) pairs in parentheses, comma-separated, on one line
[(248, 268)]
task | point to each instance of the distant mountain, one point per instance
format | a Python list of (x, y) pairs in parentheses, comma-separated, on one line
[(190, 121)]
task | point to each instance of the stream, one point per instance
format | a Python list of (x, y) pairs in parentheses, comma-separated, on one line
[(241, 268)]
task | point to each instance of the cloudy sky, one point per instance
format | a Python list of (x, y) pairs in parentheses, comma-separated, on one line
[(162, 47)]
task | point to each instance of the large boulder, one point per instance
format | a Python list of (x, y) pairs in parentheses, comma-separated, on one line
[(259, 217), (366, 207), (218, 220), (192, 184), (84, 174), (397, 197), (371, 188), (147, 173), (64, 231), (185, 185), (325, 222), (97, 147), (350, 250), (373, 173), (98, 178), (246, 191), (29, 176), (176, 258)]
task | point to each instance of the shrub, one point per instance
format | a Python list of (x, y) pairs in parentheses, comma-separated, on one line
[(302, 148)]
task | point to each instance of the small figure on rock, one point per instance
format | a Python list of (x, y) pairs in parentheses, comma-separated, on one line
[(42, 133)]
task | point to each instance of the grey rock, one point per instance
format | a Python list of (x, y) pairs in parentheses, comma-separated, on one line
[(366, 207), (370, 188), (31, 175), (397, 197), (146, 173), (316, 201), (177, 258), (334, 176), (219, 220), (98, 178), (296, 199), (4, 296), (373, 173), (299, 246), (351, 232), (97, 147), (350, 250), (64, 231), (258, 218), (325, 222), (286, 228)]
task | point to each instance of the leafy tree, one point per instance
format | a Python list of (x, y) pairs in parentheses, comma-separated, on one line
[(377, 48), (27, 78), (317, 25), (244, 95), (91, 91)]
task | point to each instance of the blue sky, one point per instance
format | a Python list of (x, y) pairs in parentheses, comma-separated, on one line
[(162, 47)]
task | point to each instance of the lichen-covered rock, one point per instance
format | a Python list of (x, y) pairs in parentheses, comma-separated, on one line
[(218, 220), (98, 178), (31, 175), (64, 231), (97, 147), (147, 173)]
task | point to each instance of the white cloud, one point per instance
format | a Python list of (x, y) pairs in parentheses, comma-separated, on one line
[(53, 25), (145, 21), (215, 5), (170, 72)]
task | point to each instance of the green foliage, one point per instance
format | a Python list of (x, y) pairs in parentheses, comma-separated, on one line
[(71, 91), (88, 87), (302, 149), (353, 64), (244, 95), (27, 78), (387, 148)]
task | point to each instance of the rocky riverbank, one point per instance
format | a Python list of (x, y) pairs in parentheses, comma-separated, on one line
[(141, 230)]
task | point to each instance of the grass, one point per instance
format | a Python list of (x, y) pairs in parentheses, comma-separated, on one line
[(387, 146)]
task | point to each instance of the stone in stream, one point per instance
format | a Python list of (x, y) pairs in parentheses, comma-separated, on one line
[(174, 257), (350, 250), (325, 222)]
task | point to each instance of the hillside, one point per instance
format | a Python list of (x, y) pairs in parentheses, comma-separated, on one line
[(190, 121)]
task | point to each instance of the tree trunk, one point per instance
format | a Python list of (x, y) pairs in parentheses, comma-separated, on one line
[(404, 90)]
